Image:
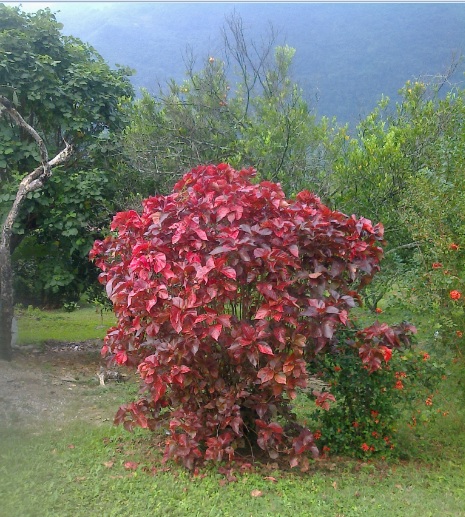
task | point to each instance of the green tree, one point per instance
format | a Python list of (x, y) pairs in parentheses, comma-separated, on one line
[(243, 109), (434, 210), (28, 185), (56, 94), (64, 89), (376, 171), (62, 86)]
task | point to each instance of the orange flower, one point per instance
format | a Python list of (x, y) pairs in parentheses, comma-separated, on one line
[(337, 368), (459, 333), (399, 385), (436, 265), (454, 247), (387, 352), (378, 310), (317, 435), (455, 295), (355, 424), (426, 356), (400, 375), (365, 447), (326, 448), (429, 401)]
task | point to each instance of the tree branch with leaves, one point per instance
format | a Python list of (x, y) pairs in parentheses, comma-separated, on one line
[(31, 182)]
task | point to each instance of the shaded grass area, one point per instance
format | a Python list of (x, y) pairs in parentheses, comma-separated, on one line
[(36, 326)]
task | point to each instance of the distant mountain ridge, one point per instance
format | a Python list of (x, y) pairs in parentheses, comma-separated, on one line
[(348, 54)]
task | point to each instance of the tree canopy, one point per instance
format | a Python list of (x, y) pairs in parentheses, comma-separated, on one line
[(62, 86), (67, 92)]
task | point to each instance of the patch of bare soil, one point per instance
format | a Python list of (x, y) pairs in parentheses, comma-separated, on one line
[(57, 383)]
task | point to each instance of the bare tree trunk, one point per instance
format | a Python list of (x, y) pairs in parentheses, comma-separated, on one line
[(6, 305), (33, 181)]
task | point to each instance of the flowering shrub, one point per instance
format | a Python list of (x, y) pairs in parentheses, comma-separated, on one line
[(224, 291), (371, 403), (441, 292)]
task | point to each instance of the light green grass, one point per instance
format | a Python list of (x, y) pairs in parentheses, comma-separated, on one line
[(36, 326), (64, 474), (50, 473)]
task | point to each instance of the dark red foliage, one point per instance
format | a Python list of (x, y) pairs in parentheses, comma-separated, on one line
[(377, 341), (223, 291)]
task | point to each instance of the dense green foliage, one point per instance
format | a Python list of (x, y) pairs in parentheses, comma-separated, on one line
[(403, 168), (51, 263), (66, 91), (370, 406)]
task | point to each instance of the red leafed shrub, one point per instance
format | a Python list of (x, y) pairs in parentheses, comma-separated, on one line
[(223, 291)]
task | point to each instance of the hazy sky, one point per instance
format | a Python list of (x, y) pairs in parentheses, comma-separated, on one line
[(348, 54)]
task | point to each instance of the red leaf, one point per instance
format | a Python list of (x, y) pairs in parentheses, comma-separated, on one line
[(215, 331), (271, 478), (175, 319), (280, 378), (262, 313), (224, 319), (229, 272), (202, 235), (294, 250), (265, 349), (265, 374), (387, 353), (222, 249), (221, 212), (280, 334), (158, 262), (121, 357), (131, 465)]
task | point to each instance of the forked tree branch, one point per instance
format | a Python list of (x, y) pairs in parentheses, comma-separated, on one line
[(29, 183)]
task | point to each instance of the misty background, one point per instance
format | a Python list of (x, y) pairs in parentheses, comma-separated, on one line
[(348, 54)]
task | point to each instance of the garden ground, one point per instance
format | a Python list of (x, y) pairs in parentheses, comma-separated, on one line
[(61, 456)]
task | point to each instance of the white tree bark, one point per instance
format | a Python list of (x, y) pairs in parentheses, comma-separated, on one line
[(33, 181)]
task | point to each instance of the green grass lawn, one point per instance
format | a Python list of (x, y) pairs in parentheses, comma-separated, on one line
[(80, 469), (36, 326), (81, 472)]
